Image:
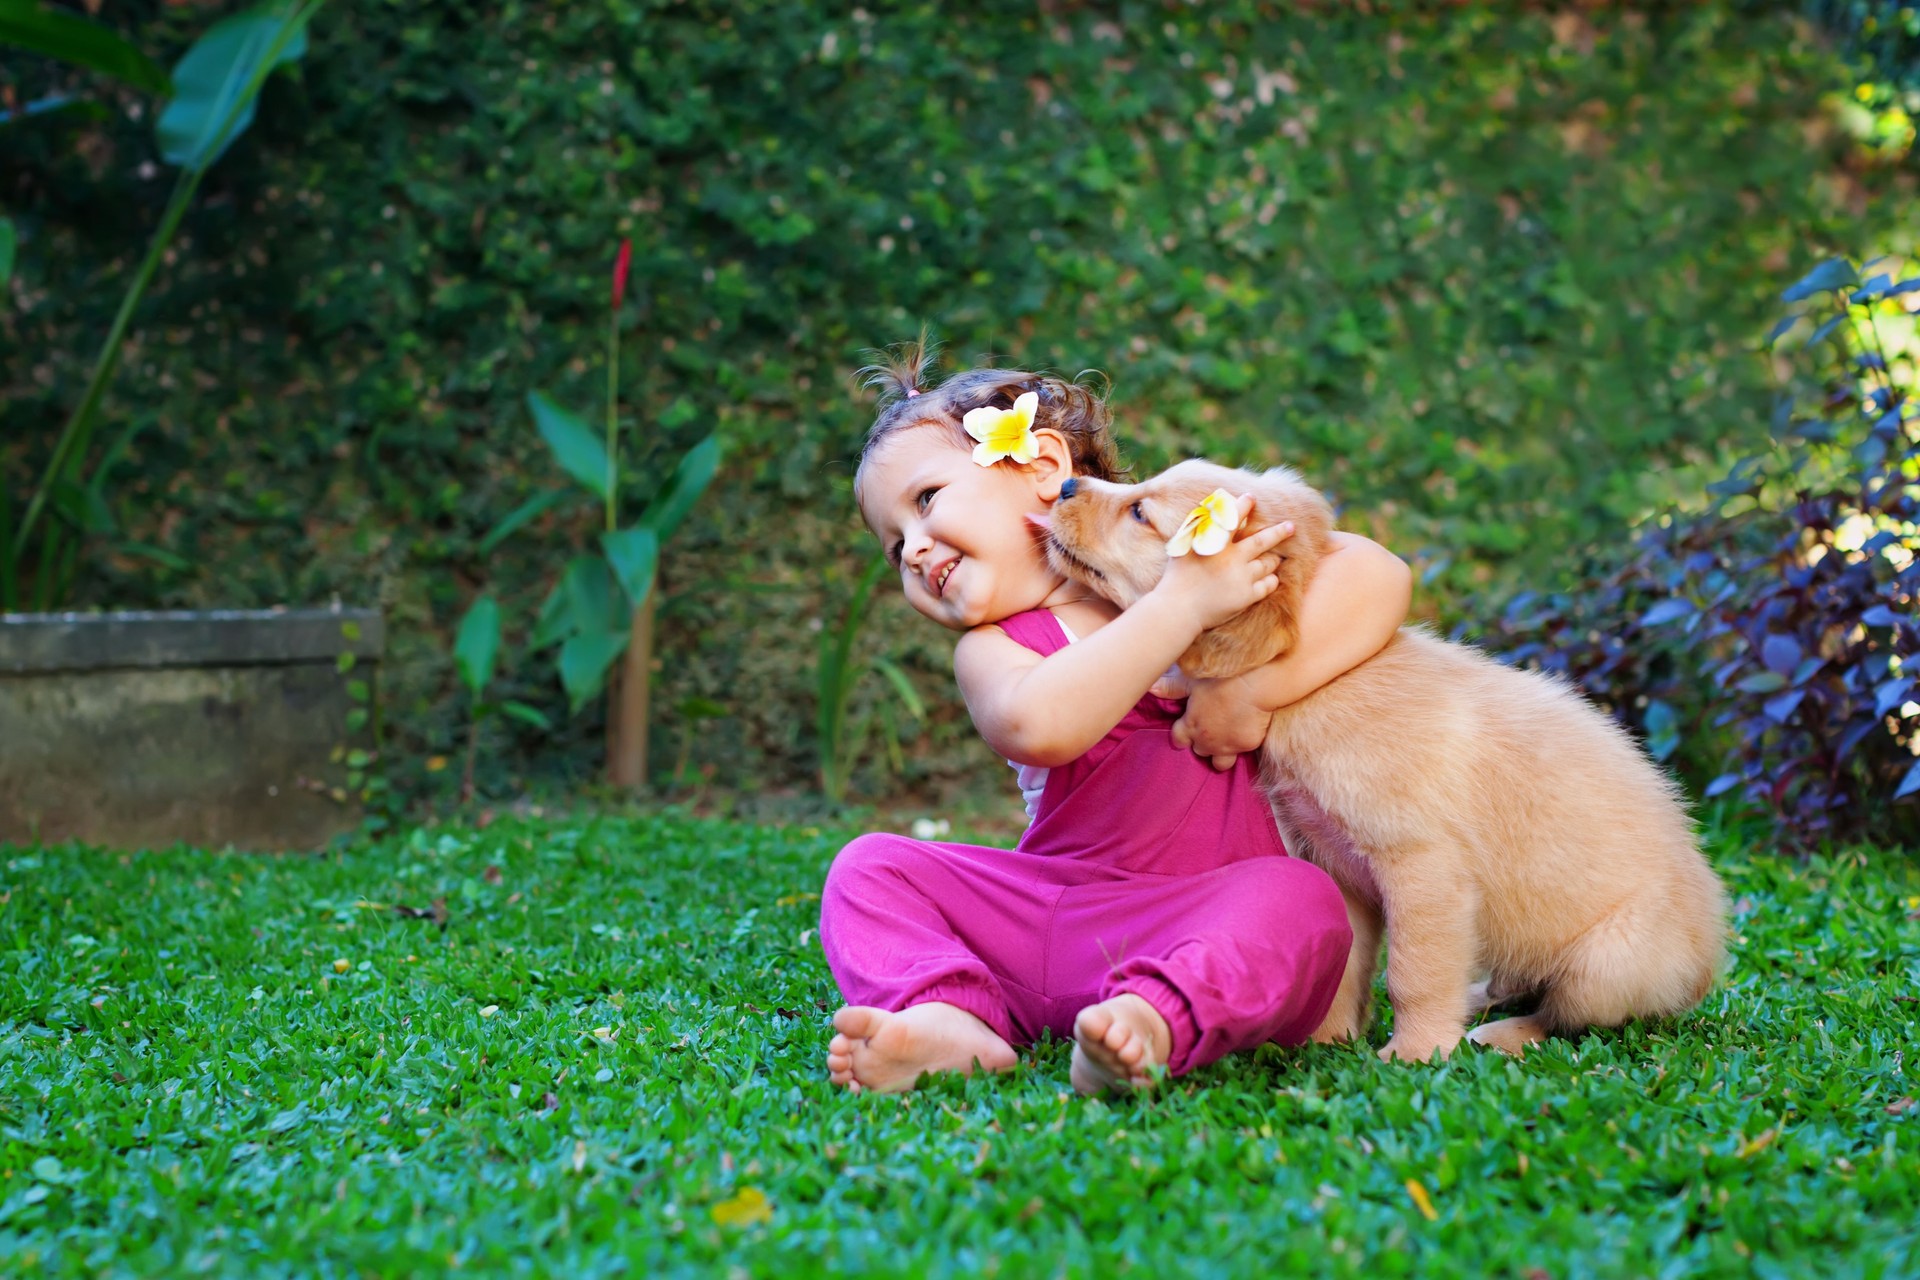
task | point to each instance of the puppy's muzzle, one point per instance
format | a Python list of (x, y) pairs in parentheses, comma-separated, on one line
[(1068, 487)]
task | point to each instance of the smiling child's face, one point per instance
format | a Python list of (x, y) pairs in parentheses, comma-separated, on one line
[(958, 532)]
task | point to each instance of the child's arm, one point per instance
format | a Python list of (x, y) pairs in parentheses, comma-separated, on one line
[(1047, 711), (1353, 605)]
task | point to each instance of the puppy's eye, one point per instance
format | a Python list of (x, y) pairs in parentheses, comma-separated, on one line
[(1138, 514)]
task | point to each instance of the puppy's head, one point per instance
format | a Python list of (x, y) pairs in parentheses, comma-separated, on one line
[(1113, 538)]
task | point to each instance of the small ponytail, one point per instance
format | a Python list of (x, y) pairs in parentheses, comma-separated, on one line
[(897, 372), (1078, 412)]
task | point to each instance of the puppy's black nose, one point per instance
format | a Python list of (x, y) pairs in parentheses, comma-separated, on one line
[(1067, 487)]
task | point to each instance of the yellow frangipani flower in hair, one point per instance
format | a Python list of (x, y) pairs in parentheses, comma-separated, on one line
[(1004, 433), (1208, 528)]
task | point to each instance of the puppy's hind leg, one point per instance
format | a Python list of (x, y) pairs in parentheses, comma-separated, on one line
[(1352, 1007), (1652, 956)]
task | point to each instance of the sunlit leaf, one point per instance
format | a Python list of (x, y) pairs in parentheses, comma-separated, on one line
[(748, 1207), (1835, 273)]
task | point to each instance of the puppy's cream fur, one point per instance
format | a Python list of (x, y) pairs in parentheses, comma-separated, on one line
[(1490, 820)]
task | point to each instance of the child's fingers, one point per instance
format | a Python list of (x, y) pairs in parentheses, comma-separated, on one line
[(1268, 538)]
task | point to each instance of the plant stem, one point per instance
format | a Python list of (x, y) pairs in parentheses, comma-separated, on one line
[(473, 750), (613, 408), (73, 439)]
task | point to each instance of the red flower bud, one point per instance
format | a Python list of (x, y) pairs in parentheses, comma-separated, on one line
[(620, 266)]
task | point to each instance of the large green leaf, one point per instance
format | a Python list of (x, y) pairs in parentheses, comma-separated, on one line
[(584, 660), (6, 251), (690, 480), (477, 645), (592, 596), (555, 622), (71, 38), (633, 553), (527, 512), (218, 81), (575, 447)]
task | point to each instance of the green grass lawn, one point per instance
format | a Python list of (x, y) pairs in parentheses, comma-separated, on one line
[(595, 1048)]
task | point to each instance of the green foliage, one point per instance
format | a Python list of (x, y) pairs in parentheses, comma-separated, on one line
[(837, 673), (54, 33), (215, 88), (1769, 641), (573, 1048), (217, 83), (477, 646), (592, 635), (1883, 34), (575, 447), (1490, 276)]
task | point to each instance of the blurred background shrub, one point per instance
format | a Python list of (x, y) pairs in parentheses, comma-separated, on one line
[(1493, 275)]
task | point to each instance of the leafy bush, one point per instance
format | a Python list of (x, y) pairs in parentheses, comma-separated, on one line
[(1772, 636), (1482, 272)]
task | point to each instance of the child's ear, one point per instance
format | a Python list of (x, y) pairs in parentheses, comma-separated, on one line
[(1054, 465)]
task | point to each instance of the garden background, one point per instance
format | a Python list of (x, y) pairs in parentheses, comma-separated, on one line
[(1571, 305), (1496, 277)]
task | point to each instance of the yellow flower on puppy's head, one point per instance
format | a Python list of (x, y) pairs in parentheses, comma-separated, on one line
[(1004, 433), (1209, 527)]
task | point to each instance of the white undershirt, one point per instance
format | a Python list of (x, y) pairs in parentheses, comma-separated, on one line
[(1032, 777)]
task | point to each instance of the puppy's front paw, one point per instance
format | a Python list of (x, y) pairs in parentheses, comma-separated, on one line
[(1416, 1047)]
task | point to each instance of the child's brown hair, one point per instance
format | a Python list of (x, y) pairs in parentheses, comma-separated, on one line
[(1075, 411)]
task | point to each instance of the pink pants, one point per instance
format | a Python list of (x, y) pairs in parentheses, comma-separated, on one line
[(1232, 957)]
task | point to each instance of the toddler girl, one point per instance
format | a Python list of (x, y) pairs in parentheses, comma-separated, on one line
[(1149, 908)]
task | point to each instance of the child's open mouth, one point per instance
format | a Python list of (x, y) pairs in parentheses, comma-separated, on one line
[(942, 574)]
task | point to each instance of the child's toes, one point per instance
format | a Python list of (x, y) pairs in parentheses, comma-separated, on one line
[(859, 1022)]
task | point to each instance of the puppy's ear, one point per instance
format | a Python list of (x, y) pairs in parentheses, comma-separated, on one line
[(1268, 629)]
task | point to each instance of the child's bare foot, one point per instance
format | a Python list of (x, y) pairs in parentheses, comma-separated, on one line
[(886, 1052), (1116, 1043)]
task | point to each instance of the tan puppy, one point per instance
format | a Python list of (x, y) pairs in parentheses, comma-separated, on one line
[(1490, 819)]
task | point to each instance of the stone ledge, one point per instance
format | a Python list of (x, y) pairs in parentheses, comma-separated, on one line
[(47, 642)]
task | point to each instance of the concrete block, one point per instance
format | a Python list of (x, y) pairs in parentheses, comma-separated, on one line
[(139, 730)]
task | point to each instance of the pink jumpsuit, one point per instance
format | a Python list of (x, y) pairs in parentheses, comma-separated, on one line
[(1144, 870)]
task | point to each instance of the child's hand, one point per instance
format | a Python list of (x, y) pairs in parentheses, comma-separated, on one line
[(1212, 589), (1222, 721)]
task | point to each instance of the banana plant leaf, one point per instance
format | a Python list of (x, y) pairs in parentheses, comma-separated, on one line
[(70, 38), (218, 81)]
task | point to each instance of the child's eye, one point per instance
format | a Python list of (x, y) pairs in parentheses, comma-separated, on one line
[(1138, 514), (895, 551), (925, 496)]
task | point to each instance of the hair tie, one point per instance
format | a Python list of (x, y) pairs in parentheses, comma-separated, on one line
[(912, 392)]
